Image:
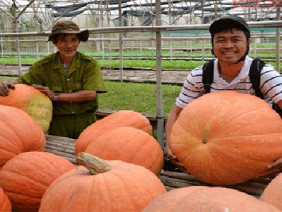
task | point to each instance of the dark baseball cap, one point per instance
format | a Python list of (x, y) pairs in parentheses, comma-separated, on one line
[(228, 22), (68, 27)]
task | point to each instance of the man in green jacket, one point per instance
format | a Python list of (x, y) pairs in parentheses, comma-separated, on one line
[(69, 78)]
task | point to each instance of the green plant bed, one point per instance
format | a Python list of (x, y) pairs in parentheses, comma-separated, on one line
[(3, 78), (171, 64), (166, 64), (140, 97)]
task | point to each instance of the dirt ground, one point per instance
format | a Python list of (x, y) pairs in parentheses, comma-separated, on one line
[(136, 75)]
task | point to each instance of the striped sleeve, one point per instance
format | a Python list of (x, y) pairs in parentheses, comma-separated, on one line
[(192, 88), (271, 83)]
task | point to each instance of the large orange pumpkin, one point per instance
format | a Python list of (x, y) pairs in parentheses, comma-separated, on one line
[(123, 118), (5, 204), (273, 192), (32, 101), (129, 145), (207, 199), (114, 186), (26, 176), (19, 133), (227, 137)]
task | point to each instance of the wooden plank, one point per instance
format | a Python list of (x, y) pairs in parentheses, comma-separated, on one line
[(100, 113), (69, 157), (175, 183), (62, 146), (66, 147), (178, 180)]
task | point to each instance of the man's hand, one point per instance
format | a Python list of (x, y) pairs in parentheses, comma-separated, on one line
[(4, 87), (171, 119), (273, 169), (173, 158), (276, 165), (45, 90)]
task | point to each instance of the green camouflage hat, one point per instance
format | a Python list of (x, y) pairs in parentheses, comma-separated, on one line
[(68, 27)]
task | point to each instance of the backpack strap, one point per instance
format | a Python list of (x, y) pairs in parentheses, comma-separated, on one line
[(208, 75), (254, 74), (277, 109)]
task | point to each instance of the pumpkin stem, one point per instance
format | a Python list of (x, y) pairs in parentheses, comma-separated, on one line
[(206, 132), (204, 141), (94, 164)]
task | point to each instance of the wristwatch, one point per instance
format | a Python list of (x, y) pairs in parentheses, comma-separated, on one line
[(55, 97)]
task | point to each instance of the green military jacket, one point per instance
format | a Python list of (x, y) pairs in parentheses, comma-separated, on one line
[(83, 74)]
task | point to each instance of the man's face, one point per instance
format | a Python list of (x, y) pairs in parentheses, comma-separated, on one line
[(230, 46), (67, 45)]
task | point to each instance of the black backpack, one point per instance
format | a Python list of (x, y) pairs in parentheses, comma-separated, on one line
[(254, 74)]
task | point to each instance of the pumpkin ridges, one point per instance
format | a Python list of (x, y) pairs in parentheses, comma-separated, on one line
[(8, 126), (19, 101), (229, 147), (79, 188), (12, 125), (239, 113), (131, 133), (209, 162), (154, 154), (125, 195), (133, 197), (230, 168), (227, 128), (252, 120), (9, 146), (53, 162), (157, 166), (61, 193), (35, 135), (171, 199), (245, 171), (56, 167), (22, 186)]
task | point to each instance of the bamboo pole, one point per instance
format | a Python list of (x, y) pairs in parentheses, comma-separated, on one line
[(18, 50), (120, 42), (160, 112), (260, 24), (278, 15)]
